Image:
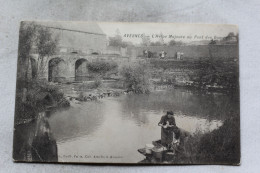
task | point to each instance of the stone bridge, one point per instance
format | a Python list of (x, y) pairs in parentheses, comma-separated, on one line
[(69, 68)]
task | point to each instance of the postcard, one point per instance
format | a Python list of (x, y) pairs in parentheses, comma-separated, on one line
[(127, 93)]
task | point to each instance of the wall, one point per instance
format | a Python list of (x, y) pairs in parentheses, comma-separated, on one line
[(192, 51), (87, 43), (116, 50)]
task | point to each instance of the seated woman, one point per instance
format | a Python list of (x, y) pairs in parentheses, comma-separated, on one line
[(168, 128)]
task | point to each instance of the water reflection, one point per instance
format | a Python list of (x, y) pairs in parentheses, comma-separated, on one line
[(119, 126), (79, 120), (213, 106)]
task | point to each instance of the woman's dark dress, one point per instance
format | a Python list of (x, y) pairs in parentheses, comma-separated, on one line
[(167, 133)]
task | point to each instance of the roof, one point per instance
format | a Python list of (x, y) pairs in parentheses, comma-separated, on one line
[(86, 27)]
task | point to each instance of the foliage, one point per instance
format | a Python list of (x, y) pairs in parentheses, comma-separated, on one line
[(136, 78), (211, 72), (97, 83), (146, 40), (45, 43), (38, 39), (26, 39), (212, 42), (174, 43), (157, 43), (223, 144), (117, 41), (219, 146), (46, 46), (101, 68), (39, 95)]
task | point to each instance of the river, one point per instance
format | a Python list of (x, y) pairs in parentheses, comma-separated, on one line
[(113, 128)]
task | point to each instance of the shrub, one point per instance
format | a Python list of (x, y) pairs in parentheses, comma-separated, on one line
[(39, 95), (219, 146), (101, 68), (136, 79)]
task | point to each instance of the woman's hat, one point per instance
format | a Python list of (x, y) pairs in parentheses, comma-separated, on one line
[(170, 112)]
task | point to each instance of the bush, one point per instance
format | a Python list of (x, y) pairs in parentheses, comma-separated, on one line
[(97, 83), (39, 95), (136, 79), (221, 146), (54, 91), (101, 67)]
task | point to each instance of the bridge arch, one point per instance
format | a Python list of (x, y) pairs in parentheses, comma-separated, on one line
[(57, 68), (81, 70)]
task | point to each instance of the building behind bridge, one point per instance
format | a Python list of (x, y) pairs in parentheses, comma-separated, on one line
[(78, 37), (78, 44)]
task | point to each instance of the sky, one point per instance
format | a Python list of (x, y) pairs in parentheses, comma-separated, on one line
[(180, 32)]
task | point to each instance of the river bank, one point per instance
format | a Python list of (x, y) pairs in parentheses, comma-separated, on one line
[(218, 146), (78, 92), (34, 141), (33, 138)]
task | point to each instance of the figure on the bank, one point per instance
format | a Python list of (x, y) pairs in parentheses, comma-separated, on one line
[(145, 52), (179, 55), (170, 133), (162, 54)]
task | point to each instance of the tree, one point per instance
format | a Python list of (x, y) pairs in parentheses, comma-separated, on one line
[(26, 40), (161, 40), (212, 42), (157, 43), (231, 34), (145, 40), (35, 38), (231, 38), (175, 43), (117, 40), (46, 46)]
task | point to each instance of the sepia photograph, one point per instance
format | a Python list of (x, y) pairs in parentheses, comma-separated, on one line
[(127, 93)]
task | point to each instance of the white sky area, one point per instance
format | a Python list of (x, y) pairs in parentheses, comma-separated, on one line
[(191, 32)]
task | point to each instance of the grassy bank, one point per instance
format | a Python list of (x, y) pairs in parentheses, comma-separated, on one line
[(221, 146)]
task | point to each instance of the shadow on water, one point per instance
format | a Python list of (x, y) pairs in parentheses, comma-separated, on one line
[(33, 141)]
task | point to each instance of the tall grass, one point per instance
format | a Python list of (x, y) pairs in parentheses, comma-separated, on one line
[(221, 146)]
